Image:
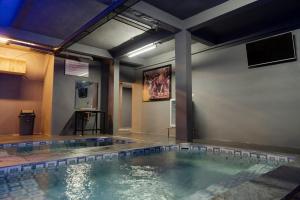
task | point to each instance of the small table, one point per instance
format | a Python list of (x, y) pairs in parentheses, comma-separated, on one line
[(81, 113)]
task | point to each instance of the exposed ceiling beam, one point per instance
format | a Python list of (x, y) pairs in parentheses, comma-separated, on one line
[(111, 11), (146, 20), (88, 50), (29, 39), (195, 21), (203, 41), (135, 61), (158, 14), (140, 41), (215, 12)]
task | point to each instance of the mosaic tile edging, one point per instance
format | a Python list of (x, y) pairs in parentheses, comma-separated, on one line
[(72, 141), (238, 152), (209, 149)]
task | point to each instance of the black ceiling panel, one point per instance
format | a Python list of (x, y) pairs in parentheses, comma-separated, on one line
[(184, 8), (56, 18), (258, 18), (47, 22)]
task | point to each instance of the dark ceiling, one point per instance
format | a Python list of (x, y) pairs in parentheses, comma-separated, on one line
[(50, 22), (52, 18), (258, 18), (56, 18), (184, 8)]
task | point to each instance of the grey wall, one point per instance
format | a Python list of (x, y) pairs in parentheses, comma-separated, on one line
[(127, 74), (234, 103), (126, 107), (156, 115), (64, 95)]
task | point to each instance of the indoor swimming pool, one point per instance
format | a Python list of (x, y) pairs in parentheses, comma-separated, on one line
[(168, 175), (25, 148)]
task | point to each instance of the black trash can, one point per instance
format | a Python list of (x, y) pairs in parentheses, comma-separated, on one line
[(26, 122)]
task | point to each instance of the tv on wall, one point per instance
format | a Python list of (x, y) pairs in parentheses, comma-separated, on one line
[(272, 50)]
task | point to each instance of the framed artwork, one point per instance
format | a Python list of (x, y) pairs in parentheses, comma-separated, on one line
[(157, 84)]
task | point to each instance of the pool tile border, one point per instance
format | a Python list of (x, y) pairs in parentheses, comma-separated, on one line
[(123, 154), (57, 142)]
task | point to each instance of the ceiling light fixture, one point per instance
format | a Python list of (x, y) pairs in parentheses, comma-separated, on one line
[(4, 40), (9, 41), (141, 50)]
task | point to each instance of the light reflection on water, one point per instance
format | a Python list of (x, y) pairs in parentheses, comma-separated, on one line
[(143, 182), (165, 176), (78, 184)]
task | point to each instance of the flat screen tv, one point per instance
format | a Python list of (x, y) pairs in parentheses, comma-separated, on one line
[(272, 50)]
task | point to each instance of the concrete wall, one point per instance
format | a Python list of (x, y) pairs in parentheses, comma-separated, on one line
[(136, 108), (18, 93), (64, 95), (155, 117), (127, 74), (126, 107), (22, 92), (234, 103)]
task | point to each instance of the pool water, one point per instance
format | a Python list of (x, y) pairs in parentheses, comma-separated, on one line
[(160, 176), (58, 146)]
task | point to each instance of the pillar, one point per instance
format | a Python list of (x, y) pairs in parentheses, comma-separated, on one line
[(113, 97), (184, 116)]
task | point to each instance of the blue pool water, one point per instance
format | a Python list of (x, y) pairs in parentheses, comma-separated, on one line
[(160, 176), (58, 146)]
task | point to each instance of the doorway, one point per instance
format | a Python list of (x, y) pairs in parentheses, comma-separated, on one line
[(125, 107)]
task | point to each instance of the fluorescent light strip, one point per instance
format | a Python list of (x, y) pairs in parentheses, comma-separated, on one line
[(142, 50), (148, 45)]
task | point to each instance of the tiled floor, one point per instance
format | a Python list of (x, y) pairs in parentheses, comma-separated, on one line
[(140, 137), (44, 155), (18, 138)]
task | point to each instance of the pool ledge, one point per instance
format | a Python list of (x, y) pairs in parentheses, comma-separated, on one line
[(38, 161)]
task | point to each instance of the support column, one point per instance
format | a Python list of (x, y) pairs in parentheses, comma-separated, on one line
[(184, 115), (113, 97), (116, 96)]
